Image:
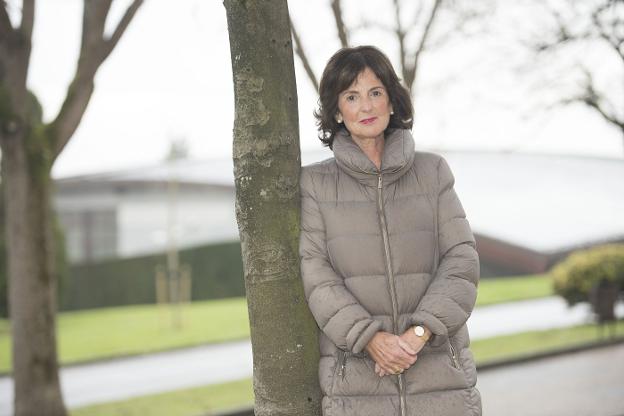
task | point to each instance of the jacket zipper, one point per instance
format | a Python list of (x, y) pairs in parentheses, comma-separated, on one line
[(454, 356), (342, 362), (384, 233)]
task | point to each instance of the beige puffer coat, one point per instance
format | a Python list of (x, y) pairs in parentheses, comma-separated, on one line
[(370, 242)]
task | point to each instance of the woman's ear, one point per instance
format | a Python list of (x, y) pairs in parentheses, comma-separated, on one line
[(339, 118)]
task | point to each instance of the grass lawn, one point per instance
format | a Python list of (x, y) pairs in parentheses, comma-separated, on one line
[(119, 331), (509, 289), (529, 343), (207, 399), (191, 402)]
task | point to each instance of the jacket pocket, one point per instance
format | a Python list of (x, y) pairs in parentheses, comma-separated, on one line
[(340, 370), (454, 356)]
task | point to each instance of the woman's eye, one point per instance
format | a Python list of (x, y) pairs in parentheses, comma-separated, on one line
[(376, 93), (350, 97)]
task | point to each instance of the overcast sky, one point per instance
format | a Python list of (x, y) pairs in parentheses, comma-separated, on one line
[(170, 78)]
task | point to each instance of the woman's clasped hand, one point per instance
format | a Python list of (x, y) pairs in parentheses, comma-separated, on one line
[(394, 354)]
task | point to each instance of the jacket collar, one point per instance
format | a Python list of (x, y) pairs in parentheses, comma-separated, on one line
[(397, 158)]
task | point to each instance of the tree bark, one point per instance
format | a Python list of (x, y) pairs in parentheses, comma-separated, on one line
[(32, 285), (29, 149), (266, 169)]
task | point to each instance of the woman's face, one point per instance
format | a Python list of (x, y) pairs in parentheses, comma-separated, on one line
[(365, 107)]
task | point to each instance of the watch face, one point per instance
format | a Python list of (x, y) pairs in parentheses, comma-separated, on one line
[(420, 331)]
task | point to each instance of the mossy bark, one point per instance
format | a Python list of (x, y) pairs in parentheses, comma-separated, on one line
[(32, 273), (266, 168)]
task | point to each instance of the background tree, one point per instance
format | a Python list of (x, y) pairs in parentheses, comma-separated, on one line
[(29, 148), (417, 27), (585, 42), (266, 171)]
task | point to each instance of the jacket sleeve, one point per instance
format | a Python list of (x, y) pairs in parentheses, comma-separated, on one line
[(452, 293), (337, 312)]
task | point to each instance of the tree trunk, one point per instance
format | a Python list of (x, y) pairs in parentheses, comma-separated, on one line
[(266, 170), (32, 275)]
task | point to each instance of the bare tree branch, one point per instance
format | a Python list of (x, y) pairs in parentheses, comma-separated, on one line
[(342, 32), (463, 17), (93, 23), (28, 19), (591, 98), (93, 51), (304, 58), (5, 23), (122, 26), (15, 47), (416, 16), (400, 34), (612, 39), (413, 67), (367, 24), (602, 22)]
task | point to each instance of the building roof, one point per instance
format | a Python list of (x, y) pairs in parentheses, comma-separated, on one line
[(543, 202), (546, 203)]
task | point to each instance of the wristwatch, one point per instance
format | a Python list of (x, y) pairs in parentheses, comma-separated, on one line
[(420, 332)]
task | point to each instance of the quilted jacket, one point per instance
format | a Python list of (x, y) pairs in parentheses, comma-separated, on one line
[(384, 250)]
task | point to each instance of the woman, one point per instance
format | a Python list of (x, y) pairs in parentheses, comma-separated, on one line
[(387, 256)]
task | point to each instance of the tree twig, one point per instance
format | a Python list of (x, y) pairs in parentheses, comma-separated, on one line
[(400, 34), (28, 19), (612, 39), (93, 51), (340, 26), (5, 23), (122, 26), (304, 58), (413, 67)]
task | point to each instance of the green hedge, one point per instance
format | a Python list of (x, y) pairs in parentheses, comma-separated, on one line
[(217, 272), (574, 277)]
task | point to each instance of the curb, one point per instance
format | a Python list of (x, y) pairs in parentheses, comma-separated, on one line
[(241, 411), (491, 365)]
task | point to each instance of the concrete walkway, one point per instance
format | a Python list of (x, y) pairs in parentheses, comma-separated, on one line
[(154, 373), (213, 364), (587, 383)]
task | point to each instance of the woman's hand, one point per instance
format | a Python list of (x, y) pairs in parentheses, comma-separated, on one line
[(392, 355), (415, 342)]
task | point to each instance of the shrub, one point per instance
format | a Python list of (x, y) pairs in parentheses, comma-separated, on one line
[(574, 277)]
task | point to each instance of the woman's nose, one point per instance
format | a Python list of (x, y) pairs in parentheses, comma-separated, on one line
[(367, 104)]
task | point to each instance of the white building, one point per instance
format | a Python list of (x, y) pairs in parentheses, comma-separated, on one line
[(524, 208)]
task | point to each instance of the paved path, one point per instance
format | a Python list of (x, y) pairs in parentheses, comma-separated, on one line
[(514, 317), (588, 383), (155, 373), (213, 364)]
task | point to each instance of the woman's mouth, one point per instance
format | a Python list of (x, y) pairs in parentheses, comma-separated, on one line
[(368, 120)]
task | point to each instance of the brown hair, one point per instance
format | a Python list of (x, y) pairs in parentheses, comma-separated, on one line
[(341, 71)]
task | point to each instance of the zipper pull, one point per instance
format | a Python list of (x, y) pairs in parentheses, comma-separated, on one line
[(455, 362), (379, 182), (343, 364)]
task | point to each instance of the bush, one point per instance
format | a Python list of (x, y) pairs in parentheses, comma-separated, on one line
[(574, 277)]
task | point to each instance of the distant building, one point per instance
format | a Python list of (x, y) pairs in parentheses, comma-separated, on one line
[(527, 211), (127, 213)]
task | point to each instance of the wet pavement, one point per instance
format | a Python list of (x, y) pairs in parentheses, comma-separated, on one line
[(529, 315), (587, 383), (149, 374)]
